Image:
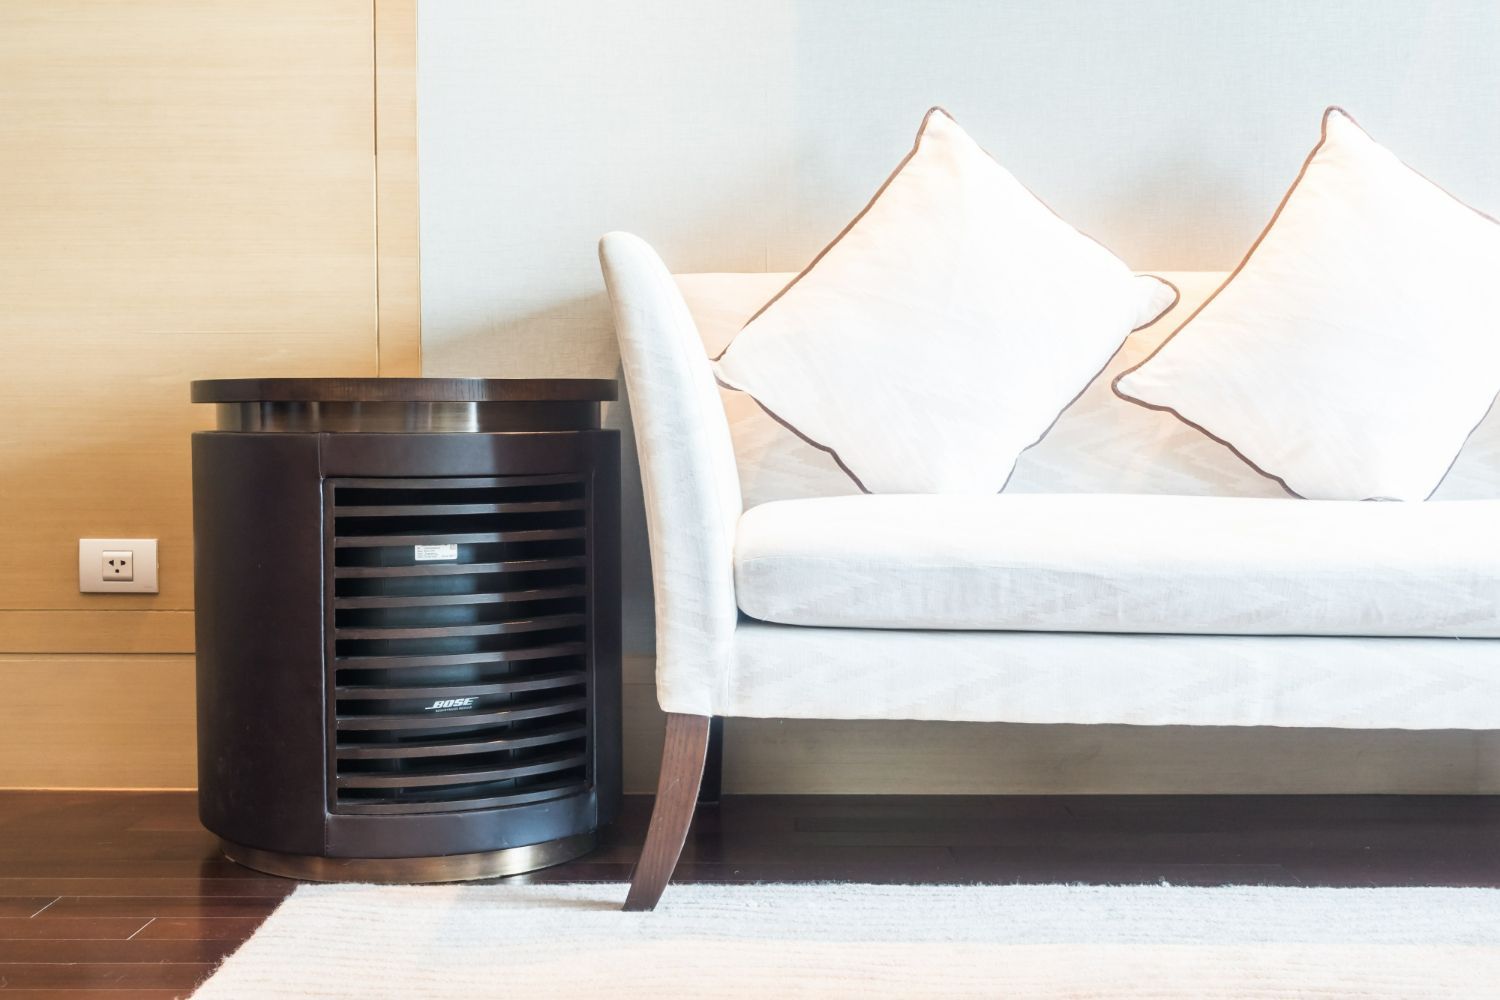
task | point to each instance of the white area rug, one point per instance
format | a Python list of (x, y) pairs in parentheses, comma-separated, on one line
[(840, 940)]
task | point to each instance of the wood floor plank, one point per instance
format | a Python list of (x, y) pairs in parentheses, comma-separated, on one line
[(101, 994), (70, 928), (234, 929), (212, 888), (157, 906), (45, 845), (113, 952), (158, 976), (19, 866), (168, 819)]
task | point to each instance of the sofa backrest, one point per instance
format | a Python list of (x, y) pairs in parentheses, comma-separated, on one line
[(1100, 444)]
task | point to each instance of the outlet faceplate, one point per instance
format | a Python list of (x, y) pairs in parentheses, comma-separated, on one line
[(117, 565)]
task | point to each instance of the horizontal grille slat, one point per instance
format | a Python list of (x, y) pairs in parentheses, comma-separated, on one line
[(443, 600), (538, 682), (459, 719), (458, 624), (464, 538), (497, 656), (426, 510), (454, 631), (463, 776), (461, 569), (448, 748), (435, 802)]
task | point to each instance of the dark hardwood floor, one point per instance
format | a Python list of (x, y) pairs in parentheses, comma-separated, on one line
[(123, 894)]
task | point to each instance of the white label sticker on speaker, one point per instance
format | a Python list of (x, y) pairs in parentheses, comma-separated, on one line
[(436, 553)]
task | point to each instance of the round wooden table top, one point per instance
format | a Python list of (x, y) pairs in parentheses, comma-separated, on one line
[(403, 390)]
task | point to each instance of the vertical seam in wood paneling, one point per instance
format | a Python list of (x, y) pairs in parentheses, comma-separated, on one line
[(398, 339), (375, 161)]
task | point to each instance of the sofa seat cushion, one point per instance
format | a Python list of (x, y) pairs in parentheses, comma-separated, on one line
[(1117, 563)]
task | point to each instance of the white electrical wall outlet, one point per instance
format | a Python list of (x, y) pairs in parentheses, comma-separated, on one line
[(117, 565)]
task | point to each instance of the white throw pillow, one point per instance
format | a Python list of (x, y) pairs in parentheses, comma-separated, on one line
[(1357, 346), (944, 330)]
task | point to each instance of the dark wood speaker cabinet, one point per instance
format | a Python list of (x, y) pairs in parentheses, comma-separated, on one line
[(408, 624)]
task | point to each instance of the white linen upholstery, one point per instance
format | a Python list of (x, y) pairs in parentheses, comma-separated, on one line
[(1101, 444), (687, 471), (945, 328), (787, 671), (1105, 563), (772, 462), (1104, 444), (1357, 347), (711, 662)]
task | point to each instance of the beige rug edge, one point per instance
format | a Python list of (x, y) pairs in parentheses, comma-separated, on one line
[(839, 940)]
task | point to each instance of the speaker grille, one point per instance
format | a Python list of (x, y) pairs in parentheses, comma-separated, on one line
[(458, 633)]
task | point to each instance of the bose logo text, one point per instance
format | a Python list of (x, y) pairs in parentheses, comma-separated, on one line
[(449, 704)]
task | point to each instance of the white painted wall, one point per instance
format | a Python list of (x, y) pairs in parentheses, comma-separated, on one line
[(742, 136)]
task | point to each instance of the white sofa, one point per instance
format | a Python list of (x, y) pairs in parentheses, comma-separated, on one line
[(1132, 571)]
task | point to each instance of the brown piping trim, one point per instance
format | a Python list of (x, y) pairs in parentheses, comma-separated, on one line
[(1330, 111), (1472, 430), (1176, 298), (1491, 408), (917, 145), (782, 421)]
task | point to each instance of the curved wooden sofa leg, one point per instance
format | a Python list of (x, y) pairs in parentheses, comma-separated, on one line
[(676, 795)]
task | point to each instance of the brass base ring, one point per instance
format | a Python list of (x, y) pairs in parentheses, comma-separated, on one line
[(399, 871)]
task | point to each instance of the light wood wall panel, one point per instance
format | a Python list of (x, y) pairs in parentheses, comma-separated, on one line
[(96, 632), (97, 722), (188, 190), (185, 166)]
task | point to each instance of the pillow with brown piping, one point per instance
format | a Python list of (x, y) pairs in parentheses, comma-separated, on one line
[(944, 330), (1357, 346)]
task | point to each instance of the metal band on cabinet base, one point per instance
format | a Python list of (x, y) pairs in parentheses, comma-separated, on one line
[(399, 871)]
